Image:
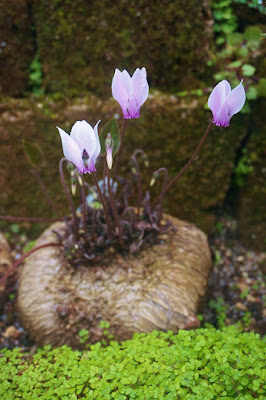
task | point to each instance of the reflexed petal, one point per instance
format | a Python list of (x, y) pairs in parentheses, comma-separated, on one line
[(98, 145), (119, 92), (83, 134), (71, 150), (140, 86), (218, 96), (236, 99), (127, 83)]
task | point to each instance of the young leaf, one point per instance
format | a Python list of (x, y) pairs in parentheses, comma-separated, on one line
[(33, 153)]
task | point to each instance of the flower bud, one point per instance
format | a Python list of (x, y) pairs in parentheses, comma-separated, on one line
[(109, 149)]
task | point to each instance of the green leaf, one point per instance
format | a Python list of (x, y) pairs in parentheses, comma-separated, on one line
[(253, 34), (33, 153), (248, 70), (235, 38), (246, 109), (252, 93), (220, 75), (15, 228), (261, 88), (243, 51), (220, 40), (83, 332), (235, 64), (110, 127)]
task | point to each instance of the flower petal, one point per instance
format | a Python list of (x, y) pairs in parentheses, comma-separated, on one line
[(71, 150), (127, 83), (133, 109), (236, 99), (140, 86), (122, 89), (98, 145), (223, 117), (91, 165), (218, 96), (83, 134)]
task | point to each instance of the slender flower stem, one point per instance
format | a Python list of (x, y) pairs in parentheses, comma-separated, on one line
[(138, 176), (43, 188), (29, 219), (138, 181), (163, 188), (69, 199), (111, 197), (84, 202), (104, 176), (93, 225), (108, 224), (22, 258), (180, 173), (120, 147)]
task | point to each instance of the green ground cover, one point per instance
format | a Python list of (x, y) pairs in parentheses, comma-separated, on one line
[(197, 364)]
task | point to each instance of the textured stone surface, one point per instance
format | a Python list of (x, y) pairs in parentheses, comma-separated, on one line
[(16, 46), (250, 204), (5, 264), (82, 42), (159, 288)]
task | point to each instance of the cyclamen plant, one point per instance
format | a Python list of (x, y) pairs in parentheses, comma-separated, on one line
[(107, 217), (117, 221)]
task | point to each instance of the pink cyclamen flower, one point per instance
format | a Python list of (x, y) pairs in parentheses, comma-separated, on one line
[(224, 102), (82, 146), (129, 92)]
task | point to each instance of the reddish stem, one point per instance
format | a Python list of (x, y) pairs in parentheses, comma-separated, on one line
[(112, 202), (69, 199), (22, 258), (84, 202), (29, 219), (107, 219), (180, 173), (120, 147), (43, 188)]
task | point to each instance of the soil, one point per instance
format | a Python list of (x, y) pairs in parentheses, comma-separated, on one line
[(236, 290)]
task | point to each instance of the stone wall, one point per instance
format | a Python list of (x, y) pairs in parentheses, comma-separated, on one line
[(82, 42), (250, 204), (169, 130), (16, 47)]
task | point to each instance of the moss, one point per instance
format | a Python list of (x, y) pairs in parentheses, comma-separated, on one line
[(250, 198), (16, 47), (205, 363), (85, 41)]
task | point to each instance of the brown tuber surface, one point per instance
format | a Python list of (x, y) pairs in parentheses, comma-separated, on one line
[(5, 263), (159, 288)]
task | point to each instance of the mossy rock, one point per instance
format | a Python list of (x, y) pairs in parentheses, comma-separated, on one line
[(169, 130), (201, 364), (250, 196), (16, 47), (82, 42)]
